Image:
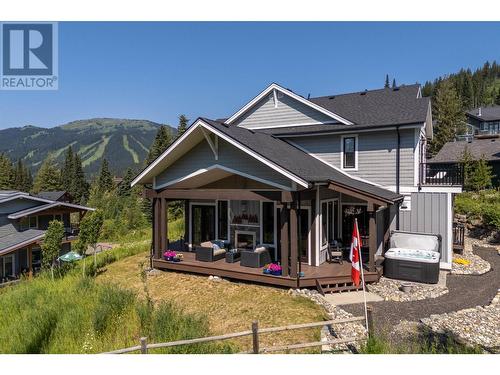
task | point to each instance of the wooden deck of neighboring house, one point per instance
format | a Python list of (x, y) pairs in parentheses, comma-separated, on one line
[(329, 276)]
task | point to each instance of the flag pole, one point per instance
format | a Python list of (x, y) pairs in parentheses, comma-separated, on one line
[(362, 280)]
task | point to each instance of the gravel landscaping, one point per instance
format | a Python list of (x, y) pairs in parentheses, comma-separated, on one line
[(475, 326), (394, 290), (465, 293), (474, 264), (337, 331)]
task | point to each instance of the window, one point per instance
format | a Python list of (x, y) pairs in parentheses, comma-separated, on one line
[(24, 223), (222, 220), (33, 222), (329, 213), (268, 222), (349, 152)]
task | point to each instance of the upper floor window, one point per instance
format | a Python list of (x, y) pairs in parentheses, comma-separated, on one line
[(349, 148), (33, 222)]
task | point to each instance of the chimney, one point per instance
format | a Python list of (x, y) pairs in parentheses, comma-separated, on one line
[(479, 111)]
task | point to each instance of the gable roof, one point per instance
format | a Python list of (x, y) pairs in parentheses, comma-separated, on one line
[(388, 106), (285, 156), (12, 238), (34, 210), (274, 87), (51, 195), (491, 113), (453, 151)]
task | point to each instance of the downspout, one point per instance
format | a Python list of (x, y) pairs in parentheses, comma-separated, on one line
[(398, 161)]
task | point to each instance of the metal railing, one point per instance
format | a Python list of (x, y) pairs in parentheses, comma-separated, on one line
[(441, 174)]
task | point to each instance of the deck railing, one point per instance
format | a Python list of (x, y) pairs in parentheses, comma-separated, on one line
[(441, 174), (458, 236)]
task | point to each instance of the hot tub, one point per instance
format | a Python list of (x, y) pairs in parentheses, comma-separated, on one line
[(413, 257)]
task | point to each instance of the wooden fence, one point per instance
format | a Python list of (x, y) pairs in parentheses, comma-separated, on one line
[(255, 332)]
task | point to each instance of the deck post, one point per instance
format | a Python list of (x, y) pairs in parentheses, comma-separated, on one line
[(186, 224), (293, 240), (372, 241), (156, 228), (163, 224), (30, 261), (284, 239), (144, 345)]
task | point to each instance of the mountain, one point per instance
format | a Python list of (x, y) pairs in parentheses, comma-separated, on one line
[(123, 142)]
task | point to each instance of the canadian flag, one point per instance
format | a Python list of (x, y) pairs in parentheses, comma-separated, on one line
[(355, 254)]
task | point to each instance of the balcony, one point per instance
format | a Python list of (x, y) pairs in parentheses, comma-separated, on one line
[(441, 174)]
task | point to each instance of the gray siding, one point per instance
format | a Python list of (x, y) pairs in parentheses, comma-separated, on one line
[(288, 112), (201, 156), (376, 154), (428, 214)]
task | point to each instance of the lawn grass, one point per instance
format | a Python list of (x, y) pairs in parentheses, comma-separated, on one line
[(74, 314), (227, 306)]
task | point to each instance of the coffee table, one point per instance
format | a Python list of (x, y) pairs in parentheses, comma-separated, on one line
[(233, 257)]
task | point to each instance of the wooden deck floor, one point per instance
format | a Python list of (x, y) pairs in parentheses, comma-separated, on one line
[(327, 272)]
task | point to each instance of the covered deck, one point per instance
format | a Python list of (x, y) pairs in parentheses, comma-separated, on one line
[(334, 274)]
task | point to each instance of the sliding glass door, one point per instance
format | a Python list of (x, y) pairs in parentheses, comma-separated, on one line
[(202, 223)]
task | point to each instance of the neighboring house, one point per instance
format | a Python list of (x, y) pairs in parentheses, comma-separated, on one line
[(61, 196), (479, 146), (483, 121), (24, 219), (293, 173)]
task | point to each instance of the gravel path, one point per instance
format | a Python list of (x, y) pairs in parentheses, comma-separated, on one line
[(465, 291)]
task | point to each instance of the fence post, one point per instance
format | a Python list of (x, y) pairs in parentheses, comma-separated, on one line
[(369, 312), (255, 336), (144, 345)]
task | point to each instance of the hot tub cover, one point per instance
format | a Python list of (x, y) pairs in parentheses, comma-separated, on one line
[(415, 241)]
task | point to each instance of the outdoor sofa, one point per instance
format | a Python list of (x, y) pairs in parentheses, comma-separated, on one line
[(210, 251), (255, 258)]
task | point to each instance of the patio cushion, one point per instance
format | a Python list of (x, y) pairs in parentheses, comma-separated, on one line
[(219, 252), (260, 249), (206, 244)]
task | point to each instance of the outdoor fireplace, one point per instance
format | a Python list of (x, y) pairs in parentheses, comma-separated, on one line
[(244, 239)]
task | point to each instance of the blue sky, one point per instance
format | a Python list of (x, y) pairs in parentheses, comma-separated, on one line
[(157, 71)]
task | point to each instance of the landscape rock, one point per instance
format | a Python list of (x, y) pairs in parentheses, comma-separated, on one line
[(474, 326), (391, 290)]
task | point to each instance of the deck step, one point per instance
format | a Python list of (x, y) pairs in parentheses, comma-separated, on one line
[(324, 286)]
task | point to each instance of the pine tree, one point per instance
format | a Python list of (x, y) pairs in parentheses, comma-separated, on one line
[(450, 118), (6, 173), (393, 82), (79, 187), (481, 176), (497, 98), (386, 84), (48, 177), (124, 188), (183, 124), (161, 142), (22, 177), (105, 180), (68, 172)]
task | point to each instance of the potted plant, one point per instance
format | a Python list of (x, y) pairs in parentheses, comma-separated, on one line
[(273, 269), (178, 258), (169, 255)]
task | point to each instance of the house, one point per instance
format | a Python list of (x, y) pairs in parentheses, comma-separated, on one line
[(24, 219), (293, 173), (483, 120), (487, 146), (61, 196)]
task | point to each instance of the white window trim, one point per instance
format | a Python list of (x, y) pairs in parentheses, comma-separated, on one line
[(356, 147), (335, 222)]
